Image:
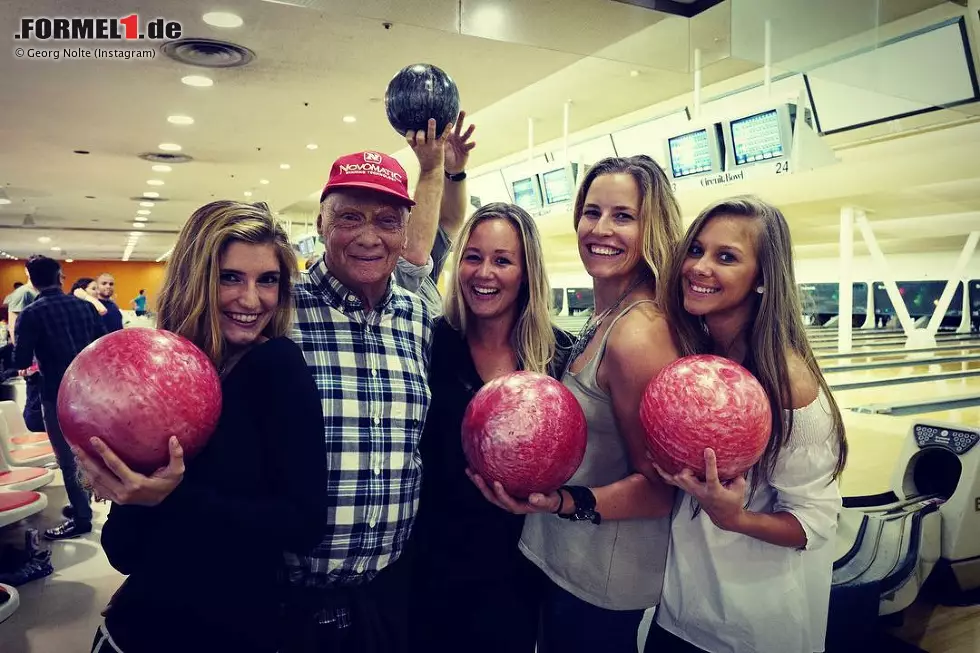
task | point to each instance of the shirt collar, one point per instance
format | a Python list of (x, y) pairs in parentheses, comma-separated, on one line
[(339, 295), (47, 292)]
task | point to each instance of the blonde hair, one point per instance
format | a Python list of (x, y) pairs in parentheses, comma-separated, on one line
[(660, 215), (532, 335), (188, 301), (776, 328)]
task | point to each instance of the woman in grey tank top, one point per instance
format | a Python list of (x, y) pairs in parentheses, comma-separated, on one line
[(601, 540)]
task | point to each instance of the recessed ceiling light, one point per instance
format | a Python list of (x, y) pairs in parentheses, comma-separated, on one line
[(139, 225), (4, 200), (634, 73), (143, 212), (222, 19), (135, 233), (141, 218), (161, 168), (69, 260), (284, 166), (150, 193), (55, 249), (350, 119), (169, 147), (154, 182), (263, 181), (147, 204), (312, 146), (199, 81), (180, 120), (248, 193), (44, 239)]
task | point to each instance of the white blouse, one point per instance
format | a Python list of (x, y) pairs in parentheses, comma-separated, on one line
[(726, 592)]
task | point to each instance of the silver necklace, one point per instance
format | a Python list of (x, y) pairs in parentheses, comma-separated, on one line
[(590, 328)]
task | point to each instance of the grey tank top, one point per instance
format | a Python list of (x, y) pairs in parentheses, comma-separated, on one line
[(617, 565)]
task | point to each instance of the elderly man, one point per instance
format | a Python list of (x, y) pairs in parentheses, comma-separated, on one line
[(367, 342)]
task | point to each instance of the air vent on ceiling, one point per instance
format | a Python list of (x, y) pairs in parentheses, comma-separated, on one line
[(208, 53), (165, 157), (140, 198)]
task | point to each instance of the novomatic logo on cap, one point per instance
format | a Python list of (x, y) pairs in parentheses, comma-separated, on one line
[(373, 157), (126, 28)]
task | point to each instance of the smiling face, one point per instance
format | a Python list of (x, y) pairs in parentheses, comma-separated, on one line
[(609, 237), (491, 269), (721, 270), (248, 292), (364, 233)]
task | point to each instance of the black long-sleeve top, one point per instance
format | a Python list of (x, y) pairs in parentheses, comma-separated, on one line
[(204, 565)]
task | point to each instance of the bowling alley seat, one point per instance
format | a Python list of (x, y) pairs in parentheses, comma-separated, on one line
[(889, 544), (23, 478), (28, 456), (15, 506), (9, 601), (20, 435)]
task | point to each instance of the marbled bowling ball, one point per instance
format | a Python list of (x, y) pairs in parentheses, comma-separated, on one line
[(134, 389), (419, 92), (525, 430), (700, 402)]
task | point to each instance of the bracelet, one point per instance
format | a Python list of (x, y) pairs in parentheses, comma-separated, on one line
[(561, 502), (459, 176)]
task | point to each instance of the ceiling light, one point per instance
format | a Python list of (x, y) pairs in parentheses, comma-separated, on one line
[(140, 218), (284, 166), (169, 147), (148, 205), (180, 120), (199, 81), (634, 73), (135, 233), (142, 212), (222, 19), (263, 181), (44, 239), (69, 260), (161, 168), (349, 119), (248, 193), (150, 193), (55, 249), (165, 254), (312, 146), (4, 200), (154, 182), (139, 225)]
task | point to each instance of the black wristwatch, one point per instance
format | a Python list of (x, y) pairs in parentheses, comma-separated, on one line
[(584, 504), (459, 176)]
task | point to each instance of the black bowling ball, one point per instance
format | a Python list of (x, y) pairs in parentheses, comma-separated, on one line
[(420, 92)]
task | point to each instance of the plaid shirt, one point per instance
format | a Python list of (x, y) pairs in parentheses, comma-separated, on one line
[(371, 368), (53, 329)]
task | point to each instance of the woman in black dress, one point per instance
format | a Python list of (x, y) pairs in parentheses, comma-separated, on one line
[(472, 588), (202, 549)]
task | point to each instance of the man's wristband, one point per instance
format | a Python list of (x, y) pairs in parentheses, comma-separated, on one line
[(459, 176)]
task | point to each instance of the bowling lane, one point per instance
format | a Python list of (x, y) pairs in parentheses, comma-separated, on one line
[(924, 390), (970, 416), (896, 353), (918, 369), (830, 347)]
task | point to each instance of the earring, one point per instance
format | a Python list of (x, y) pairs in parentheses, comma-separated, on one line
[(760, 289)]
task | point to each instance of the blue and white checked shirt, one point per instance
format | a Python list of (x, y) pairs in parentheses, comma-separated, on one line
[(371, 369)]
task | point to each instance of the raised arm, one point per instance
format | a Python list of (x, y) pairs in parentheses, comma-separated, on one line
[(428, 192), (455, 198)]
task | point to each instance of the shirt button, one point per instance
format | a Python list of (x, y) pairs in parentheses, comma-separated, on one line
[(374, 372), (359, 568), (373, 522), (377, 420), (377, 470)]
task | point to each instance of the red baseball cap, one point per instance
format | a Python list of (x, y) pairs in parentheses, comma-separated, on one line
[(371, 170)]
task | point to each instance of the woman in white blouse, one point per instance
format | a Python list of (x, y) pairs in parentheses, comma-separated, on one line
[(743, 570)]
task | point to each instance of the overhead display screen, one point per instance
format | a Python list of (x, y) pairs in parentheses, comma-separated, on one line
[(757, 138), (556, 186), (921, 298), (526, 194), (690, 154)]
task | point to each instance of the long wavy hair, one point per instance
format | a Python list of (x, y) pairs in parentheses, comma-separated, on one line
[(188, 303), (775, 329), (660, 215), (532, 335)]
